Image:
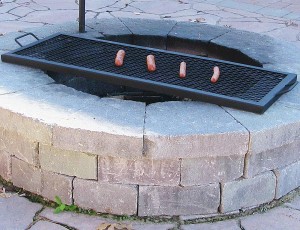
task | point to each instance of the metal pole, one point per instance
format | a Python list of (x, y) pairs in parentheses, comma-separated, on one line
[(81, 16)]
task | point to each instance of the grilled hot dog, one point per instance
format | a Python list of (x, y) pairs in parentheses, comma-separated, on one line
[(151, 63), (216, 75), (119, 60)]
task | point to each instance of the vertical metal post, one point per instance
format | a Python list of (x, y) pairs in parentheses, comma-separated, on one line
[(81, 16)]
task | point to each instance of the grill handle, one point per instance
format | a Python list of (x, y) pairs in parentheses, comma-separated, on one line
[(287, 89), (24, 35)]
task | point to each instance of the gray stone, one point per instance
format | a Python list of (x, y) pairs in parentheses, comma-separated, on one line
[(224, 225), (26, 126), (192, 37), (247, 193), (291, 99), (273, 12), (7, 42), (294, 204), (45, 225), (48, 30), (70, 163), (138, 171), (261, 48), (86, 222), (276, 219), (160, 7), (18, 146), (106, 198), (206, 170), (74, 220), (150, 33), (240, 5), (107, 127), (272, 159), (13, 78), (198, 130), (26, 176), (276, 128), (17, 212), (111, 28), (57, 185), (5, 165), (288, 178), (163, 200)]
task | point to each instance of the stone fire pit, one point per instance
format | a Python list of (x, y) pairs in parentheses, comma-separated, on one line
[(170, 158)]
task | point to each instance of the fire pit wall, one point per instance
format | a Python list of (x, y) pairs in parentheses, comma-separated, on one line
[(170, 158)]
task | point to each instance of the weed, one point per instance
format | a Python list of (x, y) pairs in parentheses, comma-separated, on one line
[(63, 207)]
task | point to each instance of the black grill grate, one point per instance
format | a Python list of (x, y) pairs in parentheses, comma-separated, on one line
[(249, 84)]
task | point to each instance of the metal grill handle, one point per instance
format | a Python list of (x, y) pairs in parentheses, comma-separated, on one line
[(24, 35)]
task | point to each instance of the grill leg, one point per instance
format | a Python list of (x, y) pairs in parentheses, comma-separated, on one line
[(81, 16)]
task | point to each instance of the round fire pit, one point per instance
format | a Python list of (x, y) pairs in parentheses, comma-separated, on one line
[(166, 158)]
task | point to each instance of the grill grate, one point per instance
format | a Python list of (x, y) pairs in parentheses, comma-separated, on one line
[(240, 86)]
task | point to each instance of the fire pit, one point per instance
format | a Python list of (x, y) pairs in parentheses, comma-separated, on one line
[(170, 158)]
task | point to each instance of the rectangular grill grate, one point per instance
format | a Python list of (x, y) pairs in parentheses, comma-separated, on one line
[(240, 86)]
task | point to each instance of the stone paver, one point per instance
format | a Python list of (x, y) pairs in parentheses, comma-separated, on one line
[(15, 15), (222, 225), (276, 219), (85, 222), (45, 225), (16, 213)]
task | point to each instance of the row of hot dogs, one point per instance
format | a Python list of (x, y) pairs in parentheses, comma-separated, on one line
[(150, 60)]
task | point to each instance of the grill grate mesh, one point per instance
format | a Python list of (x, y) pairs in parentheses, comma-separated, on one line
[(235, 81)]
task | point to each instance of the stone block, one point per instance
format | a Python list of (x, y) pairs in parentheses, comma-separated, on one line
[(139, 171), (42, 224), (206, 170), (192, 37), (28, 127), (26, 176), (5, 165), (167, 200), (277, 219), (106, 198), (294, 204), (57, 185), (288, 178), (106, 127), (272, 159), (111, 28), (70, 163), (201, 130), (48, 30), (13, 78), (17, 212), (224, 225), (7, 42), (258, 47), (17, 145), (247, 193), (279, 126), (290, 99), (149, 33)]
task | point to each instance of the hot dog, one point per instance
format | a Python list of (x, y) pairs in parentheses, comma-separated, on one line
[(119, 60), (182, 70), (216, 75), (151, 63)]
